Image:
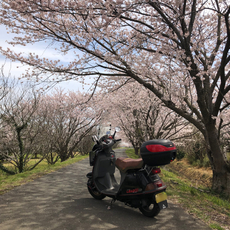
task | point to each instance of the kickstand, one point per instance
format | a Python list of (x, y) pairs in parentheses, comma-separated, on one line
[(111, 203)]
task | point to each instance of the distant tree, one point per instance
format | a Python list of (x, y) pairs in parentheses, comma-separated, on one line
[(67, 121), (4, 85), (142, 116), (86, 144), (19, 134)]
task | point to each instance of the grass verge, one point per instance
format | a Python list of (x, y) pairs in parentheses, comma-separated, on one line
[(8, 182), (211, 208)]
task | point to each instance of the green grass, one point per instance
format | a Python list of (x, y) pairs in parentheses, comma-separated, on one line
[(8, 182), (228, 156), (130, 153), (216, 226), (211, 208)]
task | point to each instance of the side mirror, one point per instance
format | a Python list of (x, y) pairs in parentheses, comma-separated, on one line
[(117, 129)]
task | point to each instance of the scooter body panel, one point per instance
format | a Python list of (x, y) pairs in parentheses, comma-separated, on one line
[(103, 172)]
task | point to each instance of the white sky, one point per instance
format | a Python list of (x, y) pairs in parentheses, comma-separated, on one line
[(42, 49)]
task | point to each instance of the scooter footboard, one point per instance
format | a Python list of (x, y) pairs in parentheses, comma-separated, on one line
[(106, 182)]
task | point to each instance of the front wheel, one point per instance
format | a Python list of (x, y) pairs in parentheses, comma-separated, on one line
[(93, 191), (150, 210)]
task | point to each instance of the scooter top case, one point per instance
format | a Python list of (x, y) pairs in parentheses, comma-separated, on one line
[(158, 152)]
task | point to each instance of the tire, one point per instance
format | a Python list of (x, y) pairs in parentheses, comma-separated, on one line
[(94, 192), (151, 210)]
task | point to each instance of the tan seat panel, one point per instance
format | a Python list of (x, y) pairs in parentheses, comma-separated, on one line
[(124, 164)]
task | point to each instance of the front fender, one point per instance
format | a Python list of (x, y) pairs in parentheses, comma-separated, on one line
[(89, 175)]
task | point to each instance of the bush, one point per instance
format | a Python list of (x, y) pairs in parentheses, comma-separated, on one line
[(199, 163), (180, 152), (206, 162), (196, 152)]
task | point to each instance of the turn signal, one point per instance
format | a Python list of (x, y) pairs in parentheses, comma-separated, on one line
[(159, 184)]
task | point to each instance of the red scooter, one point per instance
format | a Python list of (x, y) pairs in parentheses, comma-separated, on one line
[(140, 185)]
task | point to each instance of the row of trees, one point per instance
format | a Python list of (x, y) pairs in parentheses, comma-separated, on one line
[(142, 116), (55, 125), (179, 50), (51, 126)]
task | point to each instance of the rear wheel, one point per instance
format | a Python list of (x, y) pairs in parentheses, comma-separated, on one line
[(150, 210), (93, 191)]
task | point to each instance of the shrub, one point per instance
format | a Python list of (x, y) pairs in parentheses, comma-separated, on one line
[(196, 151), (180, 152)]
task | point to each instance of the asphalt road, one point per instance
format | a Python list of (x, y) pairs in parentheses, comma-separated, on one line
[(60, 200)]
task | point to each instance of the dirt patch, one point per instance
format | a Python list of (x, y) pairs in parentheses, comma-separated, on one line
[(199, 176)]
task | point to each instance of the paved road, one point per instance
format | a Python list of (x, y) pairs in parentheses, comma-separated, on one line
[(60, 201)]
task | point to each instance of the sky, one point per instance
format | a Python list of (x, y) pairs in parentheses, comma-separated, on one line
[(15, 69)]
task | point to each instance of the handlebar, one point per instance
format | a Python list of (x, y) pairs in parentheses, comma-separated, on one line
[(110, 143), (106, 141), (117, 140)]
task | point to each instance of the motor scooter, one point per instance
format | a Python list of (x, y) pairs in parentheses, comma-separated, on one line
[(140, 185)]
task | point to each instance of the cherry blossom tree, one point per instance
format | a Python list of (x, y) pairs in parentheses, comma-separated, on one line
[(142, 116), (224, 129), (4, 89), (67, 121), (4, 86), (179, 50), (86, 144), (19, 141)]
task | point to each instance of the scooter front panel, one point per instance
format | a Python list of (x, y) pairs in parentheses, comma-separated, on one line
[(103, 172)]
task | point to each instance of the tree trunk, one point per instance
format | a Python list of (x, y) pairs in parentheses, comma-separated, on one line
[(36, 155), (136, 151), (220, 165), (21, 148), (64, 155)]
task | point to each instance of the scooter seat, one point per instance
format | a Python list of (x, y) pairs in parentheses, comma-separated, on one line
[(124, 164)]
